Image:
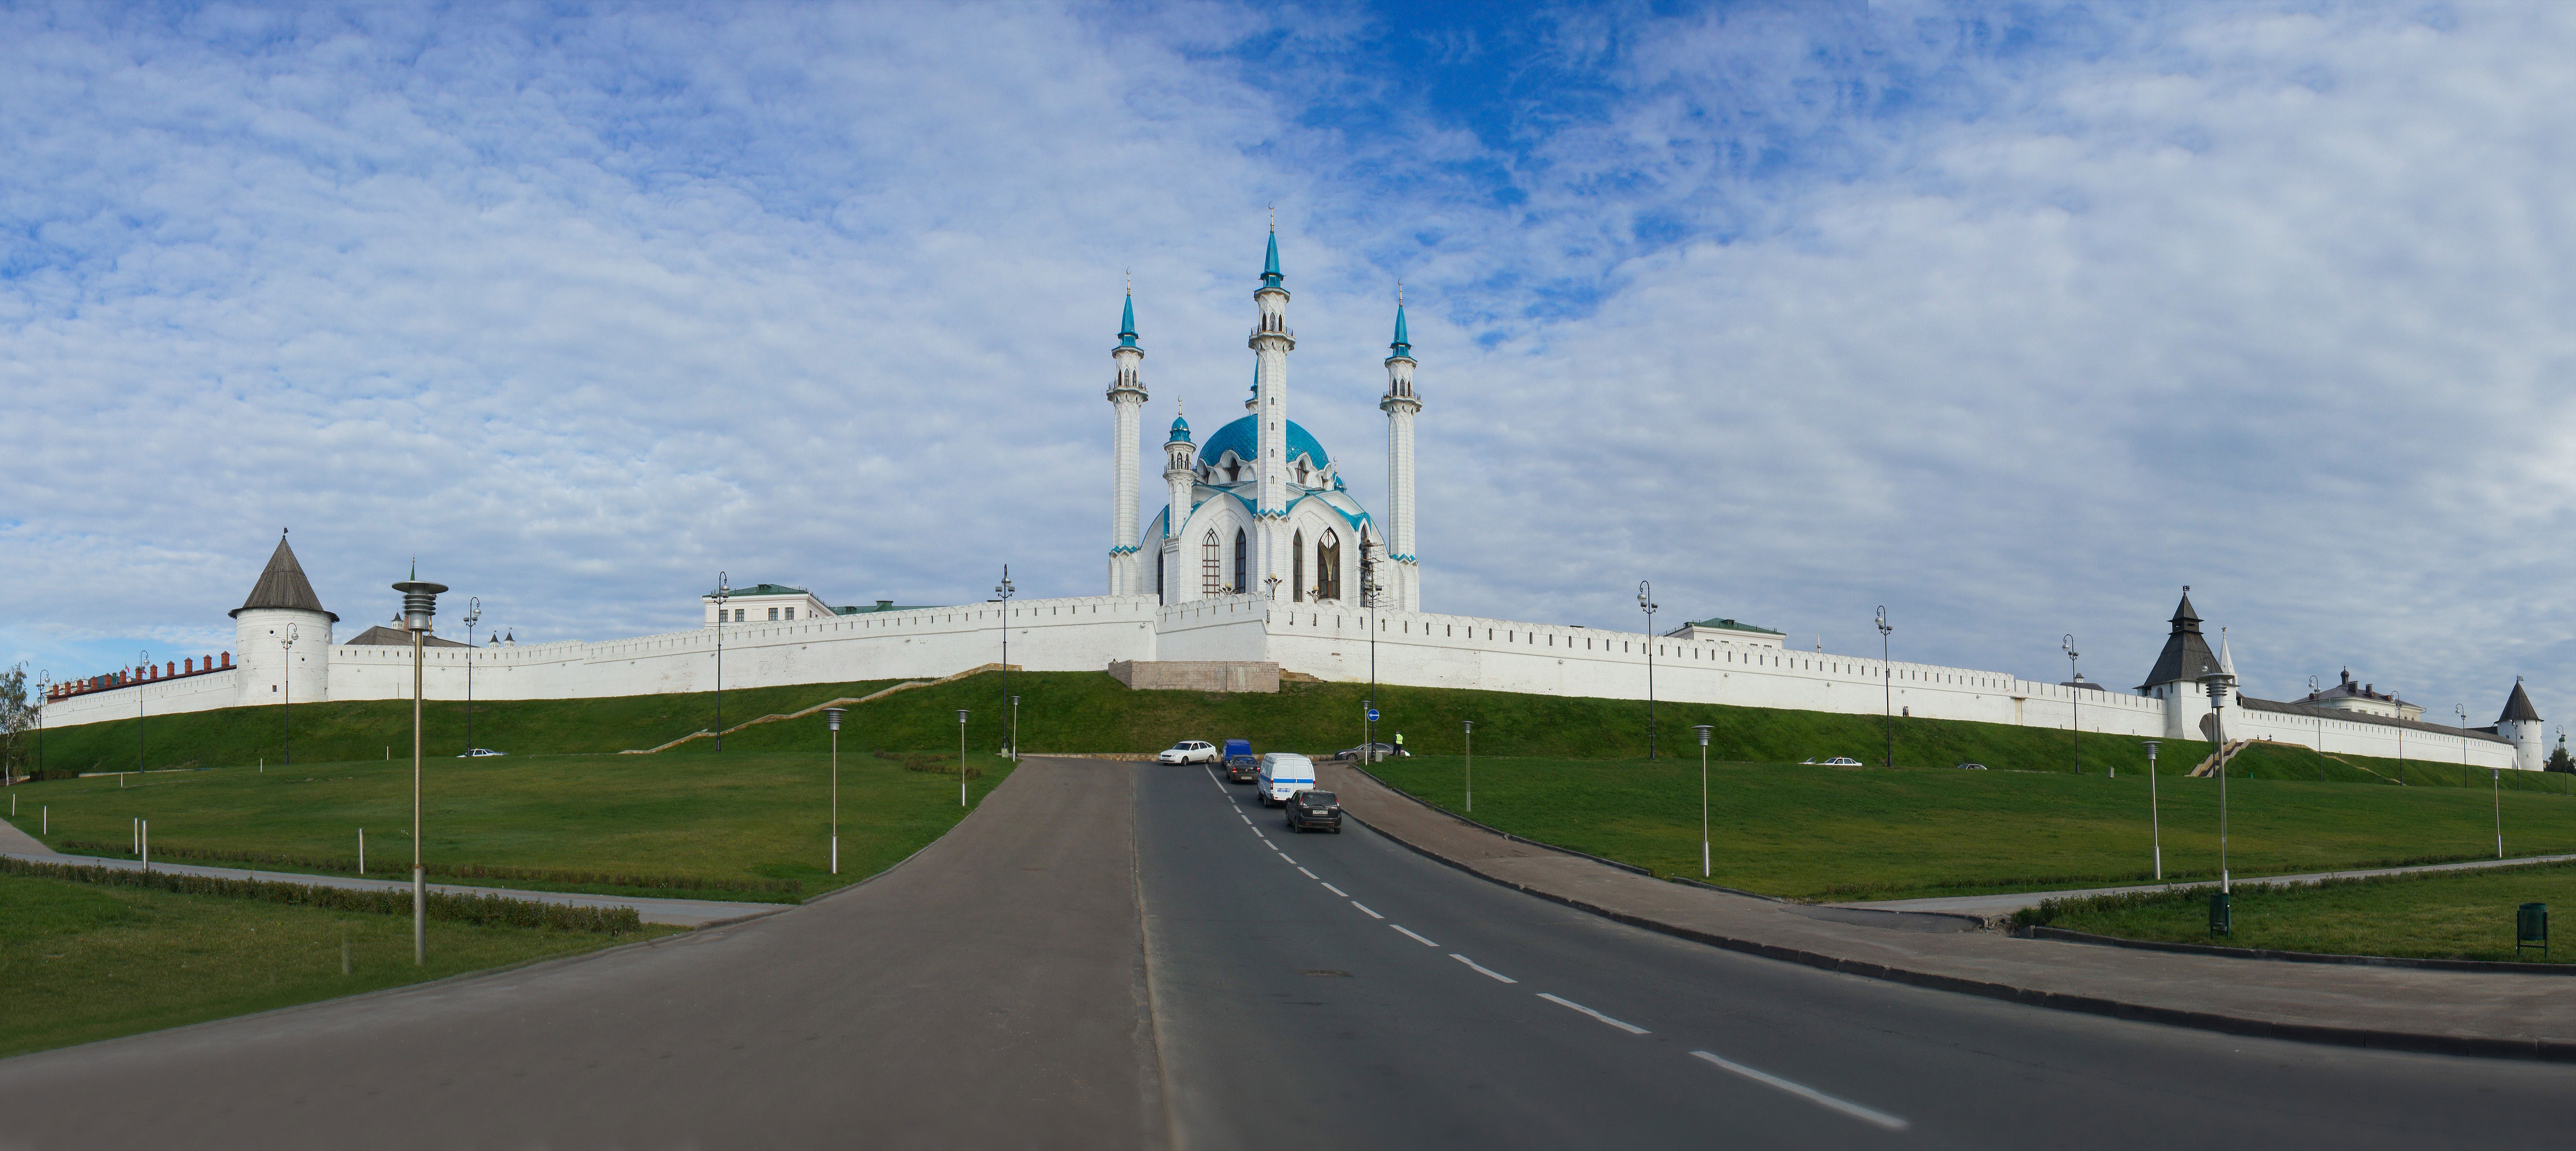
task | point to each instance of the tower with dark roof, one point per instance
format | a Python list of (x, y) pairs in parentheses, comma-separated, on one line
[(2521, 723), (282, 635), (2176, 677)]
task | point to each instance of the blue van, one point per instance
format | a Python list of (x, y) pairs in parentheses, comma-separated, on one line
[(1240, 766)]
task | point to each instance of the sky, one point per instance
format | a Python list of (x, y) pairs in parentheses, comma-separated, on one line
[(2014, 319)]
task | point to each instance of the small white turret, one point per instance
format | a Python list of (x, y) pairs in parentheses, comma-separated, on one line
[(1179, 474), (283, 636), (2521, 724)]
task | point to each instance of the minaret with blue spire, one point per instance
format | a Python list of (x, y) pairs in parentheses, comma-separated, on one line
[(1127, 398), (1271, 342), (1180, 474), (1405, 585)]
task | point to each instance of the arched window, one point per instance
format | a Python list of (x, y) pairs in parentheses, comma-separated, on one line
[(1160, 559), (1297, 568), (1328, 566), (1242, 562), (1211, 565)]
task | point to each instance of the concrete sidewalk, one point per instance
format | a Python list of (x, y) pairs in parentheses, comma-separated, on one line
[(675, 912), (2468, 1013), (1992, 906)]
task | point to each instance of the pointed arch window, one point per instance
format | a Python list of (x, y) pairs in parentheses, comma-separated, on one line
[(1211, 565), (1297, 568), (1242, 562), (1328, 566)]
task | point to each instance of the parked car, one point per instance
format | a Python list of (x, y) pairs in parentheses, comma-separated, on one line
[(480, 752), (1972, 767), (1369, 752), (1188, 751), (1310, 809), (1841, 761), (1283, 775)]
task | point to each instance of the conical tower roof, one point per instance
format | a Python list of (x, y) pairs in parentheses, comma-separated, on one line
[(2517, 707), (282, 585), (2186, 650)]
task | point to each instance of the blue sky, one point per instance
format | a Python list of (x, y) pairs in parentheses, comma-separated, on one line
[(2014, 318)]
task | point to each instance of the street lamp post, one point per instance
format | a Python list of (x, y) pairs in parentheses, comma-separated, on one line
[(2217, 684), (2462, 710), (724, 591), (961, 757), (1703, 729), (1646, 603), (287, 695), (1471, 765), (1368, 599), (45, 692), (473, 615), (832, 719), (2495, 788), (420, 602), (1887, 684), (143, 660), (1015, 729), (2075, 699), (1003, 592), (2155, 818)]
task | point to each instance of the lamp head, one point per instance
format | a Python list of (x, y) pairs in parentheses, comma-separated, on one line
[(961, 717), (832, 718), (420, 602), (1703, 729), (2151, 747)]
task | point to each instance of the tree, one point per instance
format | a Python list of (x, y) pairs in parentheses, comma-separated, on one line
[(2559, 760), (17, 718)]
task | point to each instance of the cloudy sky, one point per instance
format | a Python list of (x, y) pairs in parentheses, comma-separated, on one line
[(2014, 319)]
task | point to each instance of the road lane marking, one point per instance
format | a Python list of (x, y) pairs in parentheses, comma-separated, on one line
[(1292, 863), (1364, 907), (1335, 890), (1481, 969), (1272, 846), (1312, 875), (1412, 936), (1809, 1094), (1630, 1028)]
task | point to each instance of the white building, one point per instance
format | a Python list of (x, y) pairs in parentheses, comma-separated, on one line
[(1259, 556)]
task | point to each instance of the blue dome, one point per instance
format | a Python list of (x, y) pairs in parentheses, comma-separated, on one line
[(1238, 437)]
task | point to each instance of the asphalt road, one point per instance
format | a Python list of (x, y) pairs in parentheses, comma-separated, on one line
[(1321, 990)]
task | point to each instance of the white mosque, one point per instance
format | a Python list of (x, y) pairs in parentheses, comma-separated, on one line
[(1260, 565)]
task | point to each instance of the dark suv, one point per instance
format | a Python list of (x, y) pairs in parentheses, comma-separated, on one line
[(1315, 809)]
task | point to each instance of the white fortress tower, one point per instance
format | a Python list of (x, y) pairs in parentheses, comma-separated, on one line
[(1271, 342), (1127, 397), (1399, 404), (281, 607), (2521, 724)]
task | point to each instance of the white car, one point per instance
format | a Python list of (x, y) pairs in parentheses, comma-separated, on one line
[(1842, 761), (480, 752), (1189, 751)]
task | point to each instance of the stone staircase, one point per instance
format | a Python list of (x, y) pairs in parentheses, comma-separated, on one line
[(2218, 759), (846, 701)]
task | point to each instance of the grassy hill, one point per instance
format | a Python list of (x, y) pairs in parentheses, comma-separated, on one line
[(1090, 712)]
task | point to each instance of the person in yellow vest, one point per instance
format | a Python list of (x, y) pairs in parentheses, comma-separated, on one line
[(1399, 744)]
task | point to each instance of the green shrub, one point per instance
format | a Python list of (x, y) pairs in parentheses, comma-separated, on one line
[(453, 870), (484, 910)]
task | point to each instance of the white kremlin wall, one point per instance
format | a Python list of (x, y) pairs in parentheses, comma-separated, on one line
[(1413, 648)]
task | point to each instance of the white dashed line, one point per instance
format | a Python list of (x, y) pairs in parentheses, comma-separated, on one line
[(1311, 875), (1292, 863), (1272, 846), (1481, 969), (1364, 907), (1335, 890), (1630, 1028), (1412, 936), (1810, 1094)]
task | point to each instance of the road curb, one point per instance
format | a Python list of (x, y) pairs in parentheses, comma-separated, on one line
[(2492, 966), (2547, 1050)]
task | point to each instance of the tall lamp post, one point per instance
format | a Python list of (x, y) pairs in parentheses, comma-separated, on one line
[(2155, 818), (2462, 710), (1002, 593), (961, 757), (287, 696), (473, 615), (2217, 684), (1703, 729), (724, 591), (1887, 684), (143, 662), (1646, 603), (832, 719), (2075, 699), (420, 602), (45, 693), (1368, 599), (1015, 729), (1471, 765)]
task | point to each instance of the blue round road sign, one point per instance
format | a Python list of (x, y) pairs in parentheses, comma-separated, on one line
[(1372, 715)]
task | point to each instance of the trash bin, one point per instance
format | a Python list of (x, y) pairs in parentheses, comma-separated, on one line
[(2221, 914), (2531, 928)]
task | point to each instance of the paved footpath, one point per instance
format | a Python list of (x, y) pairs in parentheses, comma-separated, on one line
[(2500, 1014), (1989, 906), (676, 912)]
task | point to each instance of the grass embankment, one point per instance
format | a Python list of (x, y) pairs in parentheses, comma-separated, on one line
[(2443, 915), (1849, 834), (83, 962), (1090, 712), (733, 822)]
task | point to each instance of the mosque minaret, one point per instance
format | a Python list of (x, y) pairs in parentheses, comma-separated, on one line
[(1399, 404), (1127, 396)]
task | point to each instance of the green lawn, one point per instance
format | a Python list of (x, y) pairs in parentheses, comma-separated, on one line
[(2465, 915), (742, 815), (1850, 834), (81, 962)]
